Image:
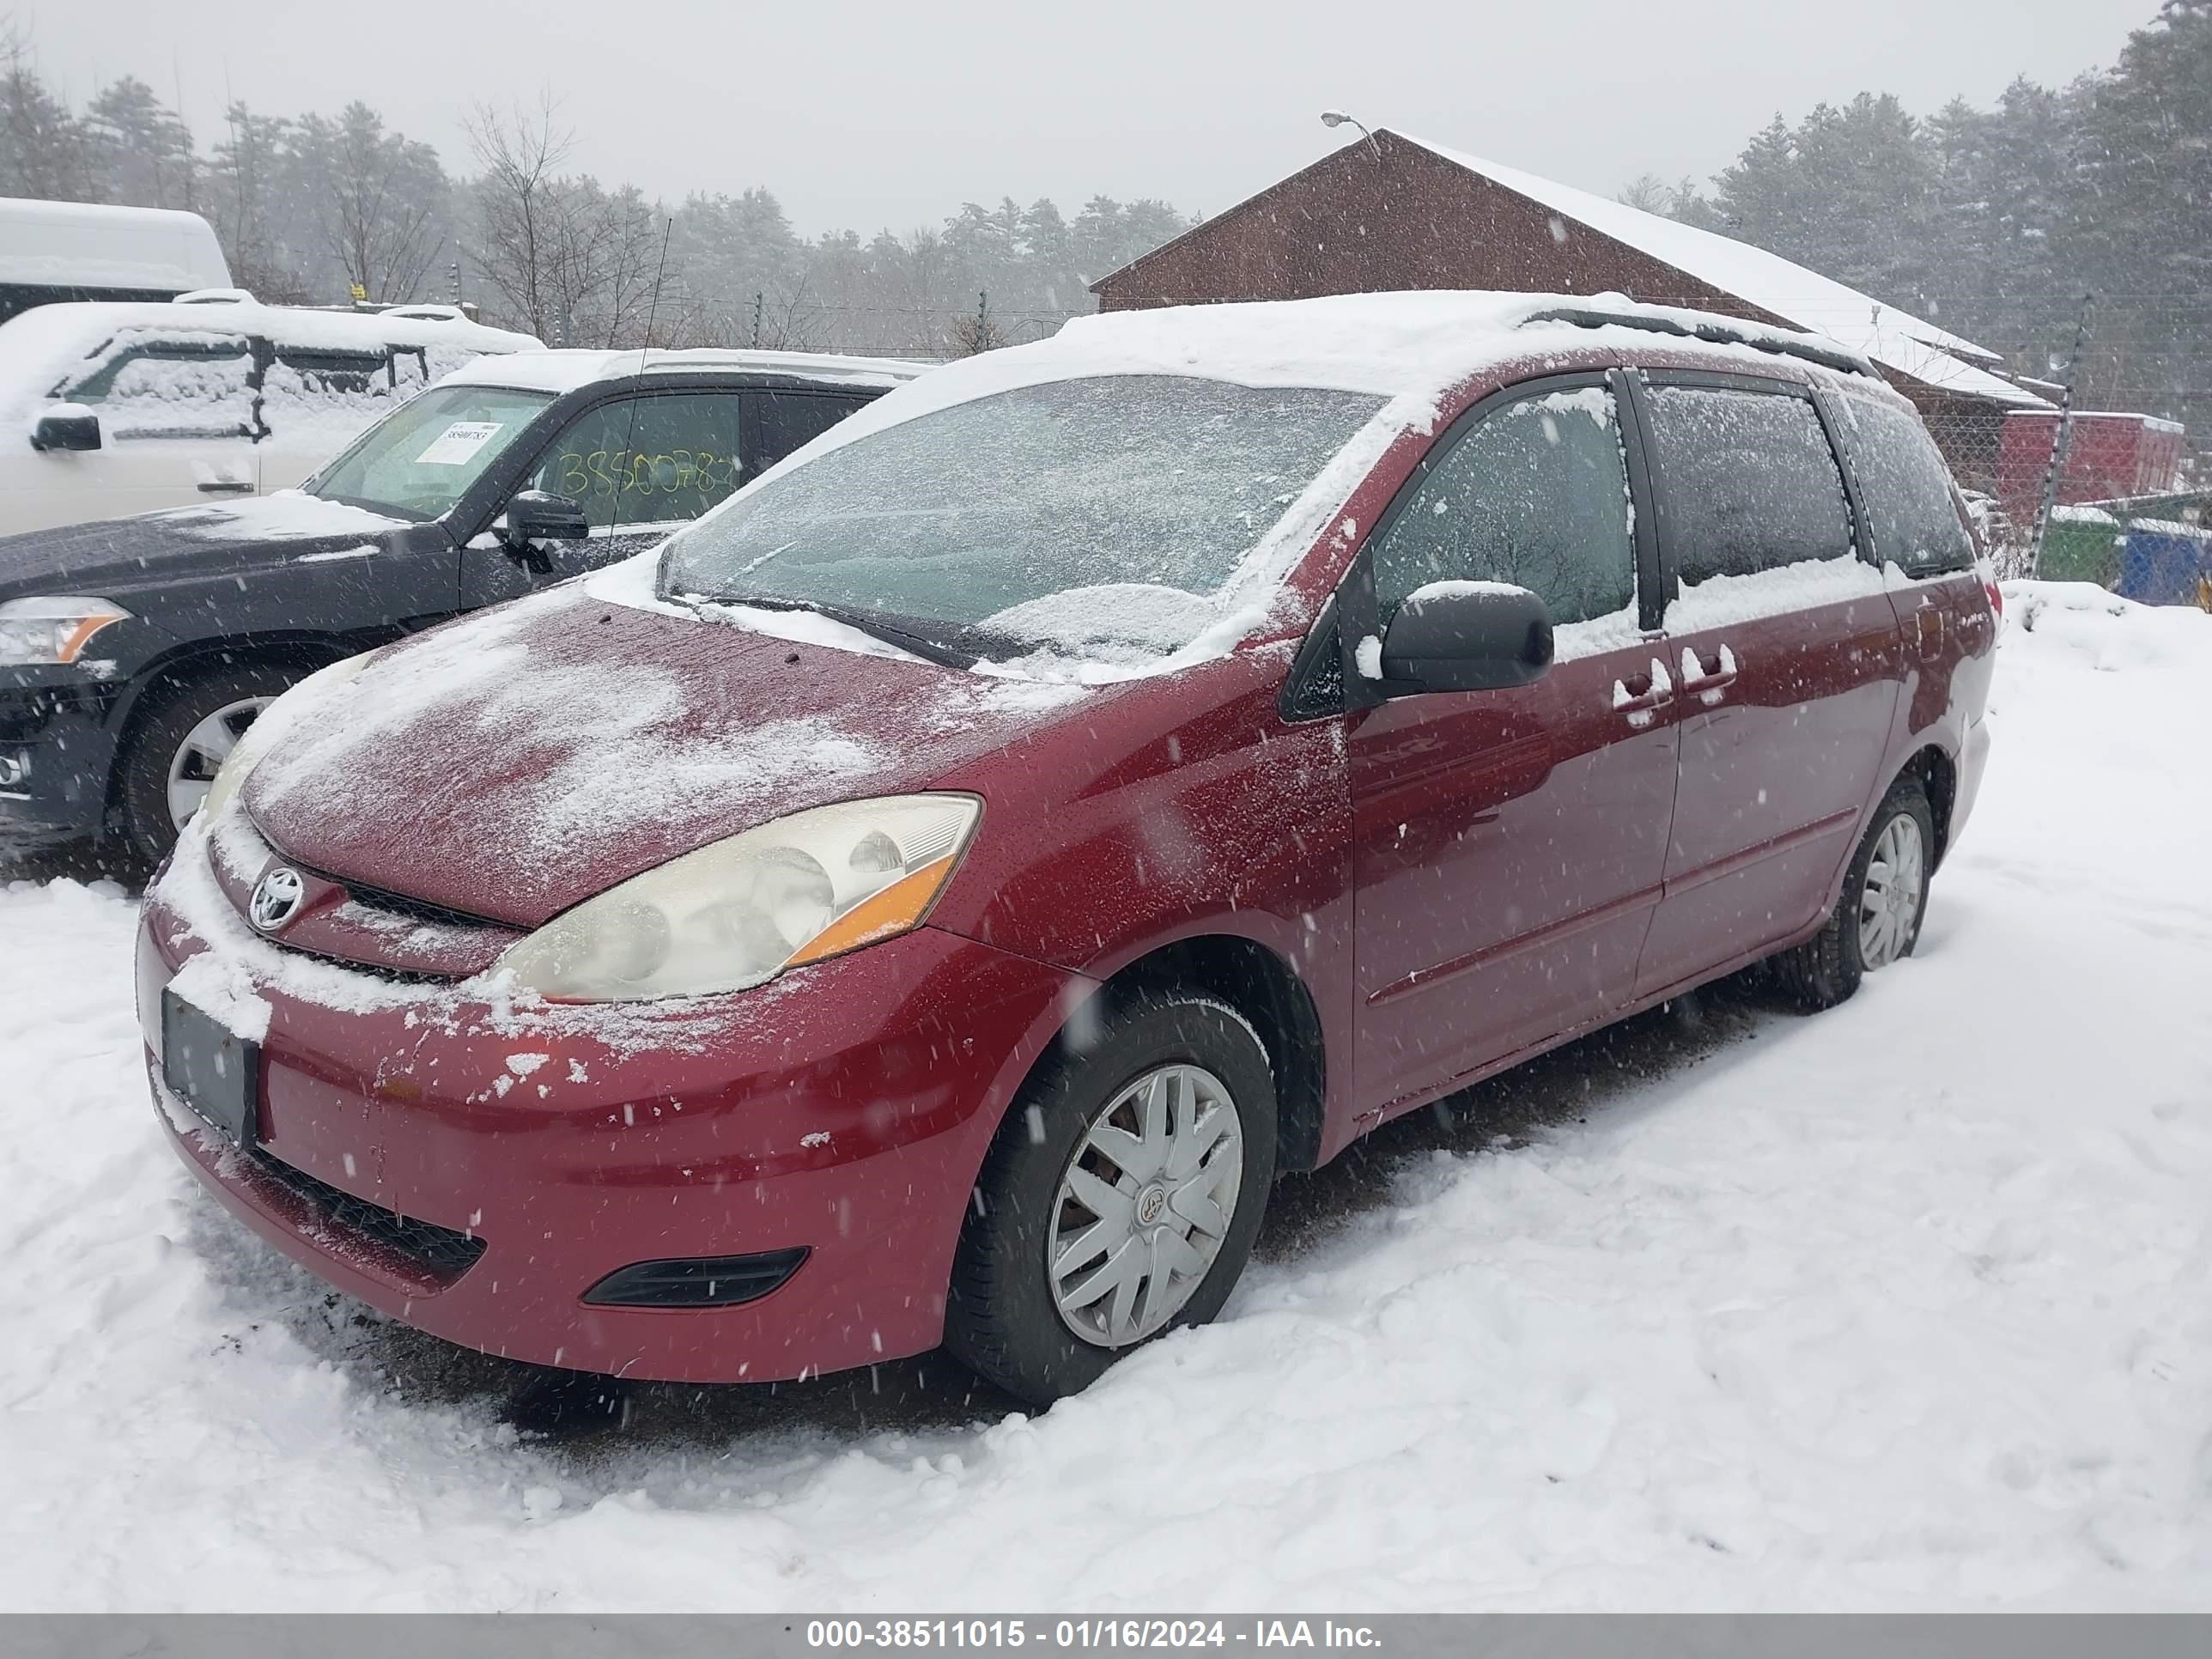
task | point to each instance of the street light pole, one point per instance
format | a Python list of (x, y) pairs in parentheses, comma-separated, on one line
[(1337, 118)]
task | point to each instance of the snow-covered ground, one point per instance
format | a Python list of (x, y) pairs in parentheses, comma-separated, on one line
[(1908, 1305)]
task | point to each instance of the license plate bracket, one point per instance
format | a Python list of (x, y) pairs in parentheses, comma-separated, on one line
[(210, 1067)]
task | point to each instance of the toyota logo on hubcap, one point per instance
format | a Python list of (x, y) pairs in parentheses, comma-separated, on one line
[(277, 898)]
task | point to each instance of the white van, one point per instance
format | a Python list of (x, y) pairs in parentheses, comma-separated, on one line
[(55, 251), (107, 410)]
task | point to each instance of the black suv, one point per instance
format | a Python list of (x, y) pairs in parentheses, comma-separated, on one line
[(134, 652)]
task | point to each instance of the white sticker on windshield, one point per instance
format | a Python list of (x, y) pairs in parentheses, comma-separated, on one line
[(458, 442)]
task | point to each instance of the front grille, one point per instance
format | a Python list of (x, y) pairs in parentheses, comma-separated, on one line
[(414, 909), (442, 1253)]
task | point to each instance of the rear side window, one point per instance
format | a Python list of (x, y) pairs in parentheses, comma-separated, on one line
[(1747, 482), (1906, 490), (303, 388), (1535, 494), (782, 421)]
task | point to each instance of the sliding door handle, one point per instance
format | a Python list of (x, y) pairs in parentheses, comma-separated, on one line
[(1712, 674)]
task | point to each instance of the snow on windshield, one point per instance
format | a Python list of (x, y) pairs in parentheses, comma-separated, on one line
[(1095, 517)]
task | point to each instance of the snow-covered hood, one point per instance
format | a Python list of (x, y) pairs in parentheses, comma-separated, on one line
[(111, 556), (514, 763)]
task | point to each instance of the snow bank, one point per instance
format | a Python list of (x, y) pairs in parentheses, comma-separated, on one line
[(1902, 1307), (2106, 631)]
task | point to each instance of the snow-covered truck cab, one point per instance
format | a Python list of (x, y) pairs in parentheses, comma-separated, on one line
[(52, 252), (111, 407)]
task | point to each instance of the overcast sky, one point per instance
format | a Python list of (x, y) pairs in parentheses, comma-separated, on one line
[(869, 116)]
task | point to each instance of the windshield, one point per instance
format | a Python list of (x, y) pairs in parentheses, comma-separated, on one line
[(417, 461), (1097, 518)]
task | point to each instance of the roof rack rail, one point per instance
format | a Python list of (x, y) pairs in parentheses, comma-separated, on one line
[(1714, 333)]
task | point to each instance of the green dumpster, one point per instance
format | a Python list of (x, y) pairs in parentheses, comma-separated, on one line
[(2080, 545)]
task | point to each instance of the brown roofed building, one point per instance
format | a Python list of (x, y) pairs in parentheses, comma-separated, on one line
[(1396, 212)]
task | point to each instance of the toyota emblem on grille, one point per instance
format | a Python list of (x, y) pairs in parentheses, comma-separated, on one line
[(277, 898)]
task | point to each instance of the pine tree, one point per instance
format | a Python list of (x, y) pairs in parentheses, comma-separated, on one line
[(43, 147), (141, 151), (2147, 179)]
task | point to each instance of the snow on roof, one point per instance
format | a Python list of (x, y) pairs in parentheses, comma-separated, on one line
[(565, 370), (1894, 338), (1409, 348), (42, 346)]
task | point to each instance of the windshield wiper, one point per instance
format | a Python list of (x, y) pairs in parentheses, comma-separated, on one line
[(920, 645)]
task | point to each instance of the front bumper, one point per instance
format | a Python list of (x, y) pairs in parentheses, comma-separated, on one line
[(57, 751), (845, 1109)]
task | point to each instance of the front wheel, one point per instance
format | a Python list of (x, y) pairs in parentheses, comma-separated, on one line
[(1877, 920), (176, 746), (1119, 1199)]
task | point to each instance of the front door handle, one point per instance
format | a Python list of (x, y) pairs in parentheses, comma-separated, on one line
[(226, 487), (1708, 676)]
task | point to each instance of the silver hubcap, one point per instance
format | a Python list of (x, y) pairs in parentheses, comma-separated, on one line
[(1145, 1205), (193, 766), (1890, 906)]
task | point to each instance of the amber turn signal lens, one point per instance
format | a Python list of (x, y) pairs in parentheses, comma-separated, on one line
[(899, 907)]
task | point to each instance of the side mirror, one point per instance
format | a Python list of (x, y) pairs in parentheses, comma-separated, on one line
[(66, 426), (535, 516), (1466, 636), (539, 515)]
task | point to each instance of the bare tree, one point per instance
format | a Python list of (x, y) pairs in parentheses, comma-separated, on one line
[(972, 336), (522, 216), (382, 202), (572, 262), (788, 321)]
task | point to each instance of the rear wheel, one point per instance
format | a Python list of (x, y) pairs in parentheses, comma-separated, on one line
[(1119, 1199), (1877, 920), (176, 745)]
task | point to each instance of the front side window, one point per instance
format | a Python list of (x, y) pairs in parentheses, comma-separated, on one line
[(1077, 516), (183, 385), (646, 461), (1535, 494), (1906, 490), (421, 458), (1747, 482)]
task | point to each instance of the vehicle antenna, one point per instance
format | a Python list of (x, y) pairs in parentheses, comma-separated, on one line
[(652, 310)]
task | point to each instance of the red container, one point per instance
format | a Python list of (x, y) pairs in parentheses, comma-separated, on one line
[(2111, 456)]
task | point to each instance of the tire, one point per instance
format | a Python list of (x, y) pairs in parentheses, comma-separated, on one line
[(1004, 1316), (1828, 968), (144, 825)]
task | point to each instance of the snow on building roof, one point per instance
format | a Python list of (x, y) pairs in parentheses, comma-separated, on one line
[(1894, 338), (569, 369)]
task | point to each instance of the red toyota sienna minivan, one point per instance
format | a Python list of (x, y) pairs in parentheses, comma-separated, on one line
[(931, 899)]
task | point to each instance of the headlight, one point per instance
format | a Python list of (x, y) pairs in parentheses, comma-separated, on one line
[(269, 728), (737, 914), (52, 628)]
